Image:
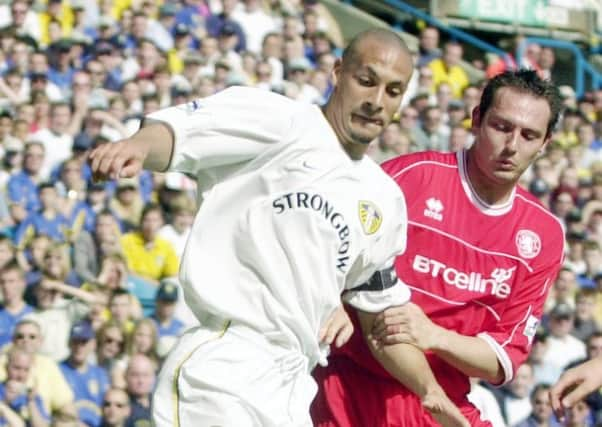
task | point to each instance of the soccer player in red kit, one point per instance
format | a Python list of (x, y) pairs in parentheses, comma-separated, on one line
[(482, 254)]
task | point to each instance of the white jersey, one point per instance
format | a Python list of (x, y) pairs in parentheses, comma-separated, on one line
[(288, 221)]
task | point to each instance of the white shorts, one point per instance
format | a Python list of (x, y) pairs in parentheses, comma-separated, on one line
[(231, 376)]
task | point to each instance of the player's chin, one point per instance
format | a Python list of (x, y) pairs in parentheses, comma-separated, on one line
[(364, 137)]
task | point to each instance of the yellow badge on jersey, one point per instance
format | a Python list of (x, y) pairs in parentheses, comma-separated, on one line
[(370, 216)]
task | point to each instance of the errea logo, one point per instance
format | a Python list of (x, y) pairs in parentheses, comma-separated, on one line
[(433, 210)]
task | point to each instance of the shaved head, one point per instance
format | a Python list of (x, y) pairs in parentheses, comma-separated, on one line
[(383, 36)]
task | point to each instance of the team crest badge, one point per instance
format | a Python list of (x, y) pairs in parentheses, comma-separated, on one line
[(528, 244), (370, 217)]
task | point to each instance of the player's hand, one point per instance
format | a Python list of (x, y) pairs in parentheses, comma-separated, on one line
[(574, 384), (405, 324), (443, 409), (338, 328), (122, 159)]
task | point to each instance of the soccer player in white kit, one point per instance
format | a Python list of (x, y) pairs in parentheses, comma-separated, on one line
[(292, 215)]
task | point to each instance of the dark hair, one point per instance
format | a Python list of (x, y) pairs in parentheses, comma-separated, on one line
[(151, 207), (525, 81), (44, 185), (539, 387), (13, 265)]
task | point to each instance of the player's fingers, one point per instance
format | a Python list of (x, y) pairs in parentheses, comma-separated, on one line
[(96, 156), (575, 395), (344, 335), (555, 398), (324, 331), (131, 169), (401, 338), (105, 161)]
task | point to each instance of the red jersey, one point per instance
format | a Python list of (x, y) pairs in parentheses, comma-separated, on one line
[(473, 268)]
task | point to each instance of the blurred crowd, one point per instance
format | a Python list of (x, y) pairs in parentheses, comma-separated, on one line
[(90, 299)]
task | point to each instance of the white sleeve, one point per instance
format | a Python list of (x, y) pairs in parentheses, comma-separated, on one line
[(382, 288), (233, 126)]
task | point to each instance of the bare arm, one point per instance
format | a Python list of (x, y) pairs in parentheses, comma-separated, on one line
[(85, 296), (407, 364), (149, 148), (471, 355)]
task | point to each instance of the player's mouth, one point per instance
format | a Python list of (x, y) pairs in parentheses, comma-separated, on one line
[(363, 120), (505, 164)]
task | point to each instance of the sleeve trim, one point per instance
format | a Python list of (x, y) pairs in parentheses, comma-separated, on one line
[(502, 357)]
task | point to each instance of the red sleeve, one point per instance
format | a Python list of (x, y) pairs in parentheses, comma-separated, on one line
[(513, 334)]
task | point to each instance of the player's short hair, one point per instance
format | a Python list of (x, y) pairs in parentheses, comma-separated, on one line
[(351, 52), (528, 82)]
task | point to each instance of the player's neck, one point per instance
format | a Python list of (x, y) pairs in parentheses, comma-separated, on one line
[(353, 150), (491, 192)]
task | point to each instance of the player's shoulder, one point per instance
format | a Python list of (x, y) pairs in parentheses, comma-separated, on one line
[(529, 206), (536, 218), (424, 161), (258, 98), (378, 178)]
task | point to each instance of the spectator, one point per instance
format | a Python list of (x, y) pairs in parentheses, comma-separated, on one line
[(123, 310), (578, 415), (110, 348), (48, 220), (88, 381), (14, 308), (147, 254), (448, 69), (514, 401), (255, 23), (216, 24), (23, 402), (115, 408), (168, 326), (44, 375), (585, 323), (56, 315), (127, 203), (22, 187), (563, 348), (140, 379), (144, 340), (541, 412), (428, 46), (542, 371), (57, 140), (89, 249), (563, 290)]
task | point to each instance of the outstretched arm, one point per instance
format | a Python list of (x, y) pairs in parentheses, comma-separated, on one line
[(408, 324), (408, 365), (149, 148), (575, 384)]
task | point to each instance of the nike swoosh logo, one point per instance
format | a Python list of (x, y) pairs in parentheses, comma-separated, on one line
[(308, 166)]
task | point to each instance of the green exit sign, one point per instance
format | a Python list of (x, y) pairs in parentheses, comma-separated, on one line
[(534, 13)]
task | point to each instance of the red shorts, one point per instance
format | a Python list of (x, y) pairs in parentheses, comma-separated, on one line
[(351, 396)]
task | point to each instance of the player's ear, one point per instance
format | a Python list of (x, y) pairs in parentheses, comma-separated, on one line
[(336, 71)]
